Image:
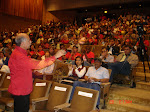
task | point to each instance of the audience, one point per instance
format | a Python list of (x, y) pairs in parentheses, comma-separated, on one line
[(115, 38), (113, 34)]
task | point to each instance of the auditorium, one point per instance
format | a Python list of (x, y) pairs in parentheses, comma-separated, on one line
[(74, 56)]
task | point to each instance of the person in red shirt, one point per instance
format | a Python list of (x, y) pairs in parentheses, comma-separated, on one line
[(32, 52), (93, 40), (46, 44), (21, 67), (40, 52), (88, 56), (73, 54), (65, 39)]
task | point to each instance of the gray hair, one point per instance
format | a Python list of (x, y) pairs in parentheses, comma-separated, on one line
[(20, 38)]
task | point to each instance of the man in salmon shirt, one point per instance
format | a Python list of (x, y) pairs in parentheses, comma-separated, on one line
[(21, 67)]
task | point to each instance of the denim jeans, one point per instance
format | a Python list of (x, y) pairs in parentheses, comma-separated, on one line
[(123, 68)]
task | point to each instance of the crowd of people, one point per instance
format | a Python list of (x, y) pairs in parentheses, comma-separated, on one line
[(116, 36)]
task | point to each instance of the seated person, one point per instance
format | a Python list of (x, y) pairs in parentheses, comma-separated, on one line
[(74, 53), (32, 52), (7, 53), (106, 57), (65, 39), (121, 66), (5, 68), (40, 52), (62, 47), (94, 77), (47, 70), (76, 71), (112, 48), (49, 53), (88, 56), (75, 43), (93, 40), (1, 58)]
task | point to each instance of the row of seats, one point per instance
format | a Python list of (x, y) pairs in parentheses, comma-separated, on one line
[(55, 94)]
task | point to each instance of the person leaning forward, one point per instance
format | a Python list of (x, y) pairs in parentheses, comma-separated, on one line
[(21, 67)]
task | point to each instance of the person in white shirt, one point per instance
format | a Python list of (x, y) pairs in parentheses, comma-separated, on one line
[(76, 71), (1, 58), (47, 70), (94, 77), (105, 56)]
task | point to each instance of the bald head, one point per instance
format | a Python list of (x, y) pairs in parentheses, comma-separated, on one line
[(23, 40)]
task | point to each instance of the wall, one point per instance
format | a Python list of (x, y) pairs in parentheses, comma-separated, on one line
[(31, 9), (53, 5), (13, 23), (64, 15)]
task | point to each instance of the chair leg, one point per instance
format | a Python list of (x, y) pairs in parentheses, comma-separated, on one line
[(104, 104), (133, 84)]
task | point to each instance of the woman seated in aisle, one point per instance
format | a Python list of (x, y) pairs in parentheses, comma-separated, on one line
[(76, 71), (45, 71)]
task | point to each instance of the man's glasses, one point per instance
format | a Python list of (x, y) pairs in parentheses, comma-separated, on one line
[(103, 51)]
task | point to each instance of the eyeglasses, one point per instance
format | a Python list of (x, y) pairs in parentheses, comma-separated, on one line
[(103, 51)]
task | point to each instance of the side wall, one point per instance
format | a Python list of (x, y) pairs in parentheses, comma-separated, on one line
[(31, 9)]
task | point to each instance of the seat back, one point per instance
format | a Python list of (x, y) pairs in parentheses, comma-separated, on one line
[(40, 88), (84, 99), (109, 70), (105, 88), (83, 47), (59, 94), (5, 84), (97, 49), (2, 76), (6, 80), (60, 70)]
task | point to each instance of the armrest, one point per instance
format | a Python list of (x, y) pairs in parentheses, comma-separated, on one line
[(3, 89), (58, 107), (64, 76), (94, 111), (105, 84), (39, 99), (1, 110), (82, 80)]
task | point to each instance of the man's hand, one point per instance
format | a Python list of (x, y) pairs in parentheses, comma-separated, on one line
[(70, 66), (94, 79), (60, 53), (74, 66)]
